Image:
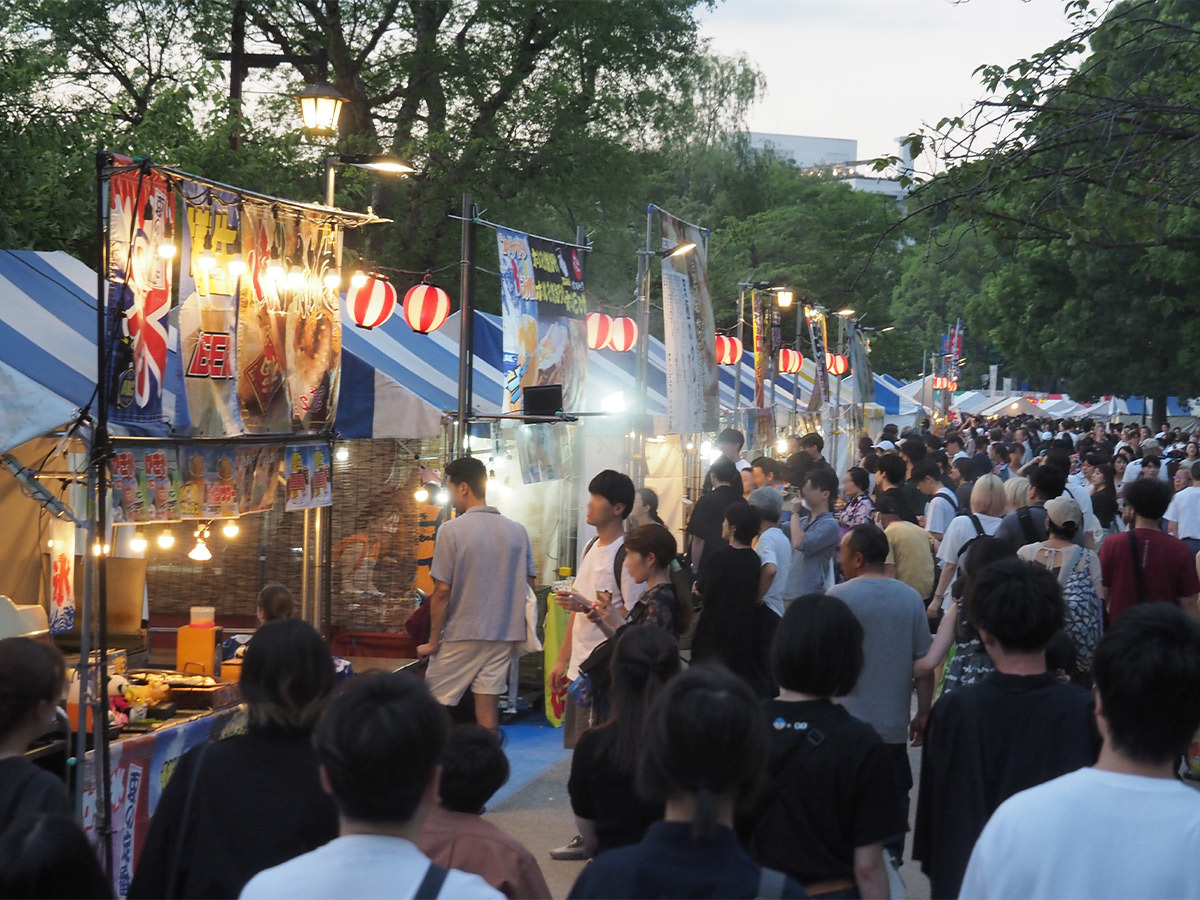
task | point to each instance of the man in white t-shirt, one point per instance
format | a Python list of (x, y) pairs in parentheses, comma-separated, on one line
[(941, 505), (379, 743), (1183, 515), (773, 547), (1125, 827), (611, 498)]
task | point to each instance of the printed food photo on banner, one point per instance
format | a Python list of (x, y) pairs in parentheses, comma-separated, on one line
[(289, 323), (208, 284)]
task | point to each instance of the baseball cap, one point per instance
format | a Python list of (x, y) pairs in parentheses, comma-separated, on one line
[(1064, 509), (884, 445)]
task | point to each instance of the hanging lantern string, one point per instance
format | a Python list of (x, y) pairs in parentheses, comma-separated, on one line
[(422, 272)]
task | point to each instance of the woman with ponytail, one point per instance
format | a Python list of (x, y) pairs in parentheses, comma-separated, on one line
[(704, 751), (607, 808)]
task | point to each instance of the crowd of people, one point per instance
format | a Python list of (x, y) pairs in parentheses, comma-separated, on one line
[(1013, 600)]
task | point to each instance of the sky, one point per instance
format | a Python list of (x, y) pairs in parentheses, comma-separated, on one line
[(874, 70)]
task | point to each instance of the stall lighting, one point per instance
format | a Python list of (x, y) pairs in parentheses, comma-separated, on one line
[(845, 313), (166, 250), (230, 530), (691, 445), (505, 490), (50, 543), (99, 549), (784, 298), (295, 278), (706, 448), (200, 552), (237, 266), (341, 454), (887, 328), (679, 249), (275, 269), (613, 403), (166, 540), (443, 498), (358, 279), (421, 495), (138, 542), (206, 261), (781, 445), (332, 279)]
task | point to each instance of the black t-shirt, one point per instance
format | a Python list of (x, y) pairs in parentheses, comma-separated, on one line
[(600, 791), (733, 626), (709, 516), (828, 795), (281, 811), (26, 790), (905, 512), (666, 864)]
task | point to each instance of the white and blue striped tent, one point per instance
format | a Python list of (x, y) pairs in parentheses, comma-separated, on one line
[(48, 359)]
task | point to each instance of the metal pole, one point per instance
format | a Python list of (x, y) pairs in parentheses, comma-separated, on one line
[(837, 395), (330, 179), (99, 461), (737, 369), (237, 71), (305, 563), (800, 308), (466, 334), (318, 558), (645, 271)]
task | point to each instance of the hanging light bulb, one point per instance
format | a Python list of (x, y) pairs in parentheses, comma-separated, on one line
[(443, 498), (138, 542), (275, 269), (230, 530), (166, 540), (236, 266), (295, 278), (421, 495), (358, 279), (341, 454), (781, 445), (492, 483), (50, 543), (332, 279), (200, 552), (166, 250), (205, 261), (97, 548)]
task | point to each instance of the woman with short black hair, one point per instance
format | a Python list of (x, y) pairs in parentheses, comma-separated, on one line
[(704, 755), (833, 798), (235, 807)]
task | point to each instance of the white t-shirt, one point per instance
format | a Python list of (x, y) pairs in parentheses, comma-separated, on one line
[(363, 866), (1090, 834), (960, 533), (773, 546), (1133, 472), (1185, 512), (741, 465), (596, 574), (940, 510)]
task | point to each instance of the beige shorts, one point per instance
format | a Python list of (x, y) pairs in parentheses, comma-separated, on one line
[(481, 666)]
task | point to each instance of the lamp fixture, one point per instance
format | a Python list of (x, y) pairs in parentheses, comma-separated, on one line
[(320, 107), (166, 250), (677, 250), (358, 279), (138, 542), (845, 313), (783, 299), (166, 540), (295, 278), (230, 529), (421, 495), (200, 553), (206, 261), (341, 454), (375, 163)]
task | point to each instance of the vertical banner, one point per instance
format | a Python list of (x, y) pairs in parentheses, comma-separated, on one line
[(62, 576), (555, 630), (258, 471), (758, 314), (545, 307), (208, 314), (860, 364), (693, 401), (210, 483), (816, 335), (141, 221), (289, 343)]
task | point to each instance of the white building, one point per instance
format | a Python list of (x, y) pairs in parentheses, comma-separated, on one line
[(837, 158)]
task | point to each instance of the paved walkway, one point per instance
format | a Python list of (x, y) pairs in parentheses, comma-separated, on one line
[(534, 806)]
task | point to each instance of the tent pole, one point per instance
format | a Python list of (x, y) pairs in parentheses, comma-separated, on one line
[(466, 333), (99, 465)]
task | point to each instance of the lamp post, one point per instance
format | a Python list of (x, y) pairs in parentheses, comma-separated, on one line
[(842, 316), (385, 164)]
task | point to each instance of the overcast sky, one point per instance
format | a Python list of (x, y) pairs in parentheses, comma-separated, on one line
[(875, 69)]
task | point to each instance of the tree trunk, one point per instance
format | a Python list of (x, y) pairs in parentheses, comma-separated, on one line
[(1160, 412)]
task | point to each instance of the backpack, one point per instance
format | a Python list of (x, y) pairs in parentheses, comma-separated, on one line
[(1083, 621), (979, 532), (1029, 527)]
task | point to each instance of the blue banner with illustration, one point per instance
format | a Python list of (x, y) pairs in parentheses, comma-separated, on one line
[(544, 317)]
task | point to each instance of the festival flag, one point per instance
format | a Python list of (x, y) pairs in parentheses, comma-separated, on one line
[(693, 401)]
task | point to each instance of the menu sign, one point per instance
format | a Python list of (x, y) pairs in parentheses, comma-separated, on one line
[(145, 485), (210, 488), (309, 482)]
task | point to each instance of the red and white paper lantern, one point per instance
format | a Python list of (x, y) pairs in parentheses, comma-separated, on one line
[(790, 361), (599, 329), (624, 334), (426, 307), (372, 304), (729, 350), (836, 364)]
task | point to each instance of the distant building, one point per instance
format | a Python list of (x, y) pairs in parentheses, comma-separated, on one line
[(836, 158)]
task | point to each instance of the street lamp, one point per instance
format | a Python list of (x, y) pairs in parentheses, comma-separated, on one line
[(320, 107), (373, 163)]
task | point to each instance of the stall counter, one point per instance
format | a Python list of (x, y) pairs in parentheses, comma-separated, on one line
[(141, 765)]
